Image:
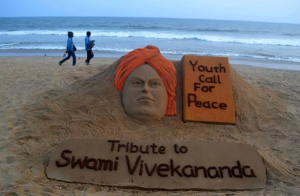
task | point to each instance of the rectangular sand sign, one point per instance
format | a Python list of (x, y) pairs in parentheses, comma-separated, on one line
[(207, 89), (170, 165)]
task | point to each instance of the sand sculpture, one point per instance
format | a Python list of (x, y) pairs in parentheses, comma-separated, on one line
[(148, 84), (207, 89), (144, 94), (171, 165), (92, 107)]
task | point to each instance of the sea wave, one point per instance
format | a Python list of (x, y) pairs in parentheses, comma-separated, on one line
[(228, 54), (216, 30), (167, 35), (164, 52), (139, 27), (36, 32), (293, 34)]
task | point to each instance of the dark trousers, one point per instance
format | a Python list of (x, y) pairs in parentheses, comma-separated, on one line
[(70, 53), (90, 55)]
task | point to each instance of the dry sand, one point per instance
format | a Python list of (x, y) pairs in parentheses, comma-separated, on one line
[(42, 104)]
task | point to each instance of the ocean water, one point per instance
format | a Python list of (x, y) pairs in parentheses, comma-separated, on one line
[(116, 35)]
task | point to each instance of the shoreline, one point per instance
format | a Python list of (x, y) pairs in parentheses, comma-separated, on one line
[(264, 63)]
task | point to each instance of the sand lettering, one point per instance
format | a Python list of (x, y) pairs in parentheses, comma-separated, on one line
[(182, 149), (192, 98), (89, 163), (132, 148), (203, 79), (58, 164), (203, 68), (171, 169)]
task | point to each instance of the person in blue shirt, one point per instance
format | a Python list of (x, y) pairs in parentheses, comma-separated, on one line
[(88, 47), (70, 49)]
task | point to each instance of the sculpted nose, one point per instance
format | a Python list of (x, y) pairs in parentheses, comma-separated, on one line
[(146, 88)]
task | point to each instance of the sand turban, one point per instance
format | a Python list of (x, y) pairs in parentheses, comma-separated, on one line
[(152, 56)]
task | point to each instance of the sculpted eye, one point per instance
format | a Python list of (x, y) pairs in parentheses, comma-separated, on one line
[(137, 83), (155, 84)]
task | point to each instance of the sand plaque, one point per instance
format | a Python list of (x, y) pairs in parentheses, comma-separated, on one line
[(207, 89), (170, 165)]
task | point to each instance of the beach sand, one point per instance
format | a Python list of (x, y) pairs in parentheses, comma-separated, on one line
[(42, 104)]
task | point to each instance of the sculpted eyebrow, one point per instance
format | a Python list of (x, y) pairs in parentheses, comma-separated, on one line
[(156, 79), (135, 77)]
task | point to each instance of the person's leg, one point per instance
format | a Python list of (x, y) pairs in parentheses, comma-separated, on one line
[(67, 58), (88, 57), (92, 55), (74, 57)]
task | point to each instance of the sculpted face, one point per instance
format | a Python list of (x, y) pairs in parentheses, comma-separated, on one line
[(144, 94)]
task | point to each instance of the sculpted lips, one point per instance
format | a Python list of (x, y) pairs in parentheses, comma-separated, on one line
[(145, 98)]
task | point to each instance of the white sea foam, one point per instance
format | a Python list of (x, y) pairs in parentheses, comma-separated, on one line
[(167, 52), (167, 36)]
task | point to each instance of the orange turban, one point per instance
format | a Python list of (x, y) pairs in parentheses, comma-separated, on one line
[(152, 56)]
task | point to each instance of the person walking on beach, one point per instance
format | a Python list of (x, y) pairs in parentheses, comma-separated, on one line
[(89, 44), (70, 49)]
